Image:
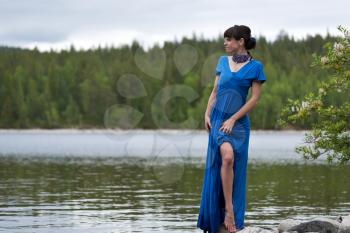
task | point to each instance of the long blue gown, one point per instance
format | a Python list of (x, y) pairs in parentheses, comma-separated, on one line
[(231, 95)]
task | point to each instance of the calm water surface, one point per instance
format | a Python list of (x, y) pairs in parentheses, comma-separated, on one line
[(146, 182)]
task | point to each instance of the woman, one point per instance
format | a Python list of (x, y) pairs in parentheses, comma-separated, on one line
[(227, 121)]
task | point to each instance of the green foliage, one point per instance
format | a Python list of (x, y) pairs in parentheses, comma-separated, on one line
[(75, 88), (330, 118)]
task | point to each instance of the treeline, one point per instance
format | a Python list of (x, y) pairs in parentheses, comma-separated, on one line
[(87, 88)]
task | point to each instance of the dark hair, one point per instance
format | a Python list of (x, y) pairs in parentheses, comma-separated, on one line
[(241, 31)]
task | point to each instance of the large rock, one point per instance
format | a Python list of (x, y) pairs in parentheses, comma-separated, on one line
[(344, 226), (285, 225), (318, 224), (346, 220)]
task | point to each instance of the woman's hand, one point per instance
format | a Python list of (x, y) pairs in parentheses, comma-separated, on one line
[(228, 125), (207, 124)]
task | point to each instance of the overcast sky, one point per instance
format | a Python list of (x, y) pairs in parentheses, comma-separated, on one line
[(87, 23)]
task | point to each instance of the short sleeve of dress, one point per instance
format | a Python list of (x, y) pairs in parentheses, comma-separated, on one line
[(260, 75), (218, 68)]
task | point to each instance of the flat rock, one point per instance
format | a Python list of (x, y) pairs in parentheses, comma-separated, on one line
[(346, 220), (344, 226), (286, 224), (318, 224)]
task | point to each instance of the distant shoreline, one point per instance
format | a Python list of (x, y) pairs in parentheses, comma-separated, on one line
[(97, 130)]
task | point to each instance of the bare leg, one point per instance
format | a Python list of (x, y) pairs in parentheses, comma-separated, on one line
[(226, 152)]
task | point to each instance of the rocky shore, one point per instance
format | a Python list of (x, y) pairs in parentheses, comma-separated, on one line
[(340, 224)]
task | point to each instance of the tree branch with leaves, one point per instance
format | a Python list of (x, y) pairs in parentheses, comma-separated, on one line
[(330, 133)]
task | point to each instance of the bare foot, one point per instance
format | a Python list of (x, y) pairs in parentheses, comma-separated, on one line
[(229, 222)]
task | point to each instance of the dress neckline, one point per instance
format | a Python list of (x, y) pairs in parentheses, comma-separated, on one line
[(235, 72)]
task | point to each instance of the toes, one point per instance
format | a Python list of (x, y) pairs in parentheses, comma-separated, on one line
[(231, 228)]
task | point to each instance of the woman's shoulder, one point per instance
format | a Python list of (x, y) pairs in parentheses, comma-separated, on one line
[(222, 56), (257, 65), (256, 61), (221, 59)]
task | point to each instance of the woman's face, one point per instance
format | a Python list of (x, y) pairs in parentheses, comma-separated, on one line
[(232, 45)]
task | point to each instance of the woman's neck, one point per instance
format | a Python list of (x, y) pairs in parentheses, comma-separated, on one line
[(239, 53)]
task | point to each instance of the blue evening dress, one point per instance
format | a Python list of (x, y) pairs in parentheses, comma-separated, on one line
[(231, 95)]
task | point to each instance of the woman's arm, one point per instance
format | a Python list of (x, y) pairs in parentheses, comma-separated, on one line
[(212, 97), (256, 90)]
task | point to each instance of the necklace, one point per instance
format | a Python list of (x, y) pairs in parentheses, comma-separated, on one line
[(240, 58)]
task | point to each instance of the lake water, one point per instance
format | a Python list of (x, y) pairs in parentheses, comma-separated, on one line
[(150, 181)]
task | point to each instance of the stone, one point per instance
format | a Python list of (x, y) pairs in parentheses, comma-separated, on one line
[(315, 225), (285, 225), (318, 224), (346, 220), (344, 226)]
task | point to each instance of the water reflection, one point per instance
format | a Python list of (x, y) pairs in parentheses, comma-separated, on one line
[(129, 194)]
